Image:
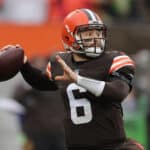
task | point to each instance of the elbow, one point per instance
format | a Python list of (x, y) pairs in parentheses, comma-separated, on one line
[(122, 95), (116, 91), (122, 92)]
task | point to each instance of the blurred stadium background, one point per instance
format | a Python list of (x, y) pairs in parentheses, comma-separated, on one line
[(36, 26)]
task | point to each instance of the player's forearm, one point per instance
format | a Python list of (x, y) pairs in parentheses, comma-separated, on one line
[(94, 86), (115, 90), (36, 78)]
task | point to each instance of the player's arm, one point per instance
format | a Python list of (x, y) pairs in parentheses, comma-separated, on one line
[(116, 88), (118, 84), (36, 78), (121, 74)]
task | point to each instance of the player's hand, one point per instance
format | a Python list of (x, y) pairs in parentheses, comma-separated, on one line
[(15, 46), (69, 74), (8, 46)]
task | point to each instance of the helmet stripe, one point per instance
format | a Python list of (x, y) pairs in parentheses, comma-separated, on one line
[(90, 14)]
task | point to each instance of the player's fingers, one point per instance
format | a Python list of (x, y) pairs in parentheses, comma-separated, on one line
[(48, 71), (25, 59), (49, 75), (61, 62), (7, 46), (48, 67), (65, 67), (59, 78), (17, 45)]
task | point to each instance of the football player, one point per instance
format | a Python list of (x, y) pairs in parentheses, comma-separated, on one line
[(93, 83)]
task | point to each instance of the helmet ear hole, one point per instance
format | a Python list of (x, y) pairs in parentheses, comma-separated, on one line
[(67, 38)]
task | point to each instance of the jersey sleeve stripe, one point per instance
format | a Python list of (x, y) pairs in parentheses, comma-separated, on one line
[(121, 62), (119, 58), (122, 56), (117, 66)]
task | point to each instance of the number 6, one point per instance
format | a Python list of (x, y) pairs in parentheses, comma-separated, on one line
[(80, 102)]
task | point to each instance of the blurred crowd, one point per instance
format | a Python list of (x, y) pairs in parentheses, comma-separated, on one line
[(43, 11), (30, 119)]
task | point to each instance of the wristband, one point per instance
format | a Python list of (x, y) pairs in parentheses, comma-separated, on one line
[(94, 86)]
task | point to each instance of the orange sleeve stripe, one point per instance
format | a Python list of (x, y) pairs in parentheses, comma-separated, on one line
[(121, 61), (122, 56), (123, 64), (117, 59)]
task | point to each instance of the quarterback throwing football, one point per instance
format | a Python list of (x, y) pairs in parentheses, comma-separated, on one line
[(93, 83)]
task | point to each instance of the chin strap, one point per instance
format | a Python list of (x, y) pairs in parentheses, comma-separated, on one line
[(94, 86)]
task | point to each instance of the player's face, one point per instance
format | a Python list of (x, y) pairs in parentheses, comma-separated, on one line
[(91, 38)]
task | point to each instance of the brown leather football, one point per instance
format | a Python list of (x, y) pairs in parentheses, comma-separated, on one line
[(11, 59)]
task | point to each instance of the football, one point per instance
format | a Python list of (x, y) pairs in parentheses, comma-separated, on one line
[(11, 59)]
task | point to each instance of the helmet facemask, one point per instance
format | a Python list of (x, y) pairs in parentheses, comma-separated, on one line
[(90, 47)]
